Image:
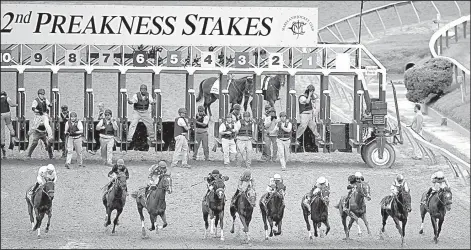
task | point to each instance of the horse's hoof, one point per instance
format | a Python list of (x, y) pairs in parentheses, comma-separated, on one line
[(47, 230), (151, 229), (164, 225), (346, 239), (421, 231), (232, 231), (222, 238), (435, 239), (310, 237)]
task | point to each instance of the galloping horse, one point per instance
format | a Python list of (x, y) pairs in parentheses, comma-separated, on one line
[(319, 212), (238, 89), (41, 202), (437, 206), (273, 211), (357, 208), (271, 95), (214, 206), (154, 203), (400, 208), (115, 199), (244, 205)]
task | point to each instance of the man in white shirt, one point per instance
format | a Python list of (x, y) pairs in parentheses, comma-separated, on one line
[(201, 133), (244, 129), (417, 126), (73, 133), (227, 132), (180, 133), (108, 129), (5, 104), (283, 129), (40, 108), (270, 123), (308, 112), (141, 102)]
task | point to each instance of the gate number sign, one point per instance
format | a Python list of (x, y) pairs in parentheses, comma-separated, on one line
[(5, 57), (241, 59), (106, 58), (275, 60), (140, 58), (309, 61), (174, 58), (208, 60), (38, 58), (72, 58)]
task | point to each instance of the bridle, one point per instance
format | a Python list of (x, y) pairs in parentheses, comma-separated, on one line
[(49, 191), (362, 192)]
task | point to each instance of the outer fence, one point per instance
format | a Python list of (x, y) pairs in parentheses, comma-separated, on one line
[(447, 32)]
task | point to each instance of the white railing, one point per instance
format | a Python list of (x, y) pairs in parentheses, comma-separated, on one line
[(460, 71)]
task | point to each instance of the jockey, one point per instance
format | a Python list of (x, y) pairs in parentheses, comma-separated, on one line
[(353, 180), (211, 178), (45, 174), (321, 183), (118, 168), (155, 172), (398, 183), (245, 182), (438, 182), (276, 185)]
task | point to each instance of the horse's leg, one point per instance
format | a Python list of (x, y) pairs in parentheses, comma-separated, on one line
[(264, 219), (206, 224), (38, 223), (39, 219), (108, 216), (118, 212), (270, 222), (356, 222), (49, 215), (385, 216), (315, 226), (141, 216), (403, 233), (233, 214), (216, 222), (164, 220), (345, 228), (434, 225), (153, 219), (363, 217), (422, 215), (327, 226), (279, 228), (30, 211), (440, 222), (398, 226), (221, 218), (306, 219)]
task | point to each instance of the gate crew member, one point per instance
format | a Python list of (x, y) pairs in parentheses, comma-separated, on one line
[(236, 115), (5, 104), (38, 132), (244, 129), (96, 135), (180, 133), (202, 121), (227, 132), (108, 128), (266, 150), (141, 101), (308, 112), (65, 116), (283, 129), (40, 108), (270, 124), (73, 133)]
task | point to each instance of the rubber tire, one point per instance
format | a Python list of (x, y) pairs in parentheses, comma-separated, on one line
[(362, 153), (369, 149)]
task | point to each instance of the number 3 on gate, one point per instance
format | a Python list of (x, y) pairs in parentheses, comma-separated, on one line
[(275, 60), (207, 60)]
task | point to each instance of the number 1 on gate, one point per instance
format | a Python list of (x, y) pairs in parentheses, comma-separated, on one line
[(208, 60)]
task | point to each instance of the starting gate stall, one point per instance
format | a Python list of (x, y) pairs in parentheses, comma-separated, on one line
[(288, 36)]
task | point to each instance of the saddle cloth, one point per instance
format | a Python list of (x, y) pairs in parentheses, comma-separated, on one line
[(265, 81), (215, 87)]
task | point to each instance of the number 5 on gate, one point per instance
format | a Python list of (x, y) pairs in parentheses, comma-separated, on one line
[(208, 60)]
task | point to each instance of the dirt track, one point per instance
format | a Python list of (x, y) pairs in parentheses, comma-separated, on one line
[(78, 213)]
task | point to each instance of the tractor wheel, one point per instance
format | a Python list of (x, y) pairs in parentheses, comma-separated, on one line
[(369, 154), (362, 153)]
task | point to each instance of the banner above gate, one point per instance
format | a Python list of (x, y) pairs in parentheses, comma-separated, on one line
[(158, 25)]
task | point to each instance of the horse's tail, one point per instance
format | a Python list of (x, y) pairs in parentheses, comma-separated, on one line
[(200, 94), (338, 204)]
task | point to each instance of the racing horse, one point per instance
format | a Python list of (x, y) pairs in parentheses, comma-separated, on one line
[(437, 206), (319, 213), (357, 208), (238, 90), (41, 202), (154, 203), (273, 86), (273, 212), (213, 206), (399, 210), (115, 199), (243, 205)]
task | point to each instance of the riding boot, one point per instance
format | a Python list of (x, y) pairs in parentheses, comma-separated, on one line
[(235, 197), (427, 196), (31, 192), (4, 152), (307, 202)]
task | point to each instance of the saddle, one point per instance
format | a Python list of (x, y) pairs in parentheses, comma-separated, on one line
[(34, 193)]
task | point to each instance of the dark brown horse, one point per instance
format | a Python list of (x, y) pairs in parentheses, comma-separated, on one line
[(319, 213), (238, 89), (437, 206), (154, 203), (115, 199), (357, 208), (41, 202), (213, 206), (399, 210), (243, 206), (273, 212), (274, 84)]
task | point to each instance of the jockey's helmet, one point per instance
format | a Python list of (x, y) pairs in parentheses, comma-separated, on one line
[(282, 113), (50, 167), (439, 175), (64, 107), (277, 177), (162, 164), (120, 162), (41, 91), (358, 175), (246, 114), (215, 172), (246, 175), (321, 180), (311, 87), (200, 108), (236, 107), (400, 178), (108, 112), (182, 110)]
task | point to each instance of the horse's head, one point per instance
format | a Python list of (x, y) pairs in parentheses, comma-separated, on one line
[(363, 189), (48, 189), (219, 188), (281, 79), (248, 86), (446, 197), (121, 180), (324, 195), (251, 196), (405, 199), (165, 183)]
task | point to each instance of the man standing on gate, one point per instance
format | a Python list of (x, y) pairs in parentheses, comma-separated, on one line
[(308, 112), (417, 126), (5, 104), (141, 101), (244, 129), (40, 108), (201, 135), (180, 133), (227, 131)]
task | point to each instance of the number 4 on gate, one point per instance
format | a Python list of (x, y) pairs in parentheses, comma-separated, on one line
[(208, 60)]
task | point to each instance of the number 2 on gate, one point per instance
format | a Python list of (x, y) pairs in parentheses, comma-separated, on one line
[(207, 60), (275, 60)]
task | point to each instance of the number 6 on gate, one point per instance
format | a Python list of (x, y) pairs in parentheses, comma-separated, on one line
[(208, 60)]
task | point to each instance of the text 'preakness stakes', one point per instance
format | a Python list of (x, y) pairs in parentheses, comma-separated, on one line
[(169, 25)]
